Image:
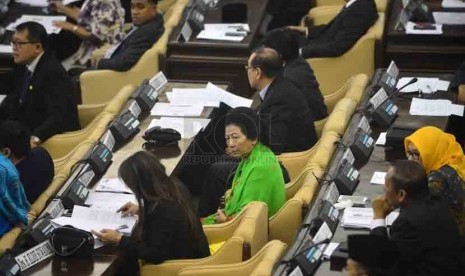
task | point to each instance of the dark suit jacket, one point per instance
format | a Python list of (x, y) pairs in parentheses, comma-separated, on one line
[(284, 114), (301, 74), (50, 106), (427, 238), (134, 46), (342, 32)]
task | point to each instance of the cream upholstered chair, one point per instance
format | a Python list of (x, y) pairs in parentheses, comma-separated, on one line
[(39, 204), (7, 241), (353, 88), (332, 72), (64, 164), (61, 144), (340, 117), (259, 265), (381, 5), (286, 222), (245, 235), (90, 111), (320, 154), (319, 126)]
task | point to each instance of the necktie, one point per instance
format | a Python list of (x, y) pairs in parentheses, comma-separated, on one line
[(25, 85)]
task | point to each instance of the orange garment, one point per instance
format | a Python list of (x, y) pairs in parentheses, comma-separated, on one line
[(437, 149)]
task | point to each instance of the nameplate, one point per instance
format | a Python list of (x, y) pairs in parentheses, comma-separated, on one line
[(186, 32), (332, 193), (348, 156), (158, 81), (55, 208), (34, 255), (86, 178), (109, 140), (378, 98), (393, 70), (364, 125), (134, 108)]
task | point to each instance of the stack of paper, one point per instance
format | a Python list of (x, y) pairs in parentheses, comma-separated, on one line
[(449, 18), (112, 185), (357, 217), (110, 200), (88, 219), (168, 109), (410, 28), (426, 85), (6, 49), (187, 127), (44, 20), (42, 3), (426, 107), (227, 32)]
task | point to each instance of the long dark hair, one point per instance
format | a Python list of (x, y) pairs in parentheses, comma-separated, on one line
[(143, 173)]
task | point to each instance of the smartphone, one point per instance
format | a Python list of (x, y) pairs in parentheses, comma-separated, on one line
[(358, 201), (424, 27)]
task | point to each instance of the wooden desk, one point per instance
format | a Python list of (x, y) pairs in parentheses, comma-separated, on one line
[(210, 60), (105, 258), (380, 161), (435, 53)]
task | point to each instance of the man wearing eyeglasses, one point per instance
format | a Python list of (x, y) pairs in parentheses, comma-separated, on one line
[(39, 92)]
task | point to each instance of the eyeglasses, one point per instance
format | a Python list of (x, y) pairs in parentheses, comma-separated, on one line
[(21, 43), (247, 67), (414, 154)]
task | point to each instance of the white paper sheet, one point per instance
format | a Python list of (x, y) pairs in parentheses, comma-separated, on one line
[(329, 250), (226, 32), (187, 127), (426, 85), (381, 141), (453, 4), (193, 96), (45, 20), (410, 29), (449, 18), (116, 199), (227, 97), (456, 109), (168, 109), (219, 35), (6, 49), (378, 178), (112, 185), (323, 233), (358, 217), (428, 107)]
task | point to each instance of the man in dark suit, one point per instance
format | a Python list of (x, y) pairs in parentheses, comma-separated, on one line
[(425, 232), (337, 37), (39, 92), (297, 70), (283, 110), (147, 29)]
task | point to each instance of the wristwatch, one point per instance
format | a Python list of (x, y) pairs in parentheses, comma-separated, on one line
[(35, 139)]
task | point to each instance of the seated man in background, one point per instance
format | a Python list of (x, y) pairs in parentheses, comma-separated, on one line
[(35, 166), (147, 29), (39, 92), (425, 232), (297, 70), (339, 35)]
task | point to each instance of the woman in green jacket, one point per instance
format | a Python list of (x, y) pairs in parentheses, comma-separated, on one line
[(258, 176)]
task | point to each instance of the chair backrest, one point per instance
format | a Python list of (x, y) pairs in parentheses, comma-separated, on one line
[(286, 222), (310, 186), (319, 126), (358, 84), (61, 144), (39, 204), (324, 150), (340, 117), (294, 162), (259, 265), (250, 224)]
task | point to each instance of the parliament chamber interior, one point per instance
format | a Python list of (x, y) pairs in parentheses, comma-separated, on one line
[(232, 137)]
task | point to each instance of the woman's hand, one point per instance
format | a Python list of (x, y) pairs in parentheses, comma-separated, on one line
[(129, 209), (108, 236), (64, 25), (220, 216)]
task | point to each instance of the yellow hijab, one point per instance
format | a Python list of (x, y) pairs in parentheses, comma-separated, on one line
[(437, 149)]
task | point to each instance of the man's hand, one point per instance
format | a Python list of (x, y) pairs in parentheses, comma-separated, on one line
[(129, 209), (381, 207), (35, 141), (56, 6), (108, 236), (220, 216), (355, 269), (300, 29)]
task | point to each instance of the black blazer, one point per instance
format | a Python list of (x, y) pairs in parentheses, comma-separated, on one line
[(301, 74), (342, 32), (134, 46), (284, 114), (427, 238), (166, 236), (50, 106)]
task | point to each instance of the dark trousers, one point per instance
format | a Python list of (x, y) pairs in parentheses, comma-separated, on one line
[(218, 180)]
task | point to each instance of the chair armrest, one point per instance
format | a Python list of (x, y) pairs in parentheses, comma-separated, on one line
[(88, 112), (230, 252)]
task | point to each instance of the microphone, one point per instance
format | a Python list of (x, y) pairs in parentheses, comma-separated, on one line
[(311, 246)]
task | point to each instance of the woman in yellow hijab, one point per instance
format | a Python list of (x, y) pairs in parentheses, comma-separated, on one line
[(444, 162)]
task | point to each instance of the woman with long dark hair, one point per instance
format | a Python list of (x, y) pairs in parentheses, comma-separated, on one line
[(167, 228)]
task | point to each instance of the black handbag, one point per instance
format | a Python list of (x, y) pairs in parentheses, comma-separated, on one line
[(69, 241)]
